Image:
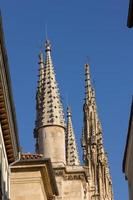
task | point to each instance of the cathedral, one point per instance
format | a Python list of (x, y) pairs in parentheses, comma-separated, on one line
[(56, 140), (54, 171)]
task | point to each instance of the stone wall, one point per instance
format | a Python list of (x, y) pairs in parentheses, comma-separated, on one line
[(72, 183), (27, 185)]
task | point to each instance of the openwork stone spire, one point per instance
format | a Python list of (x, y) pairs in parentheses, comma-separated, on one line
[(94, 154), (71, 148), (88, 87), (49, 106)]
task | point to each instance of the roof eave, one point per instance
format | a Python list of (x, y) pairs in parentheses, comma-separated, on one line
[(130, 15), (128, 135), (8, 82)]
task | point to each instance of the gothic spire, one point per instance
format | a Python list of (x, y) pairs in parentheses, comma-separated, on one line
[(49, 106), (71, 148), (92, 142), (88, 86)]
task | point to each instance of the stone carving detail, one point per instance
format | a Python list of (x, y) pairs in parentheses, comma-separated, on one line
[(74, 177), (67, 176), (59, 173)]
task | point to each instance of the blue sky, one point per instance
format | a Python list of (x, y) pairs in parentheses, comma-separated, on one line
[(77, 30)]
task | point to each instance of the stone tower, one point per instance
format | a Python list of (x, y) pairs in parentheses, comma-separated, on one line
[(50, 126), (55, 140)]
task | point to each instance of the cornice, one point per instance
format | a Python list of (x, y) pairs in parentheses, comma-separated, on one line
[(72, 173), (7, 110)]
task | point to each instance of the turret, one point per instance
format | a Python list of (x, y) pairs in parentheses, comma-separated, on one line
[(50, 126)]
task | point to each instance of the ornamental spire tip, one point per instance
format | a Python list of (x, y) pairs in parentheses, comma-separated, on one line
[(47, 45), (69, 113)]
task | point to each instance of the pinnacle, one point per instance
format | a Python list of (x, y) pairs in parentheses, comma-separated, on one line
[(71, 148), (92, 138), (89, 90)]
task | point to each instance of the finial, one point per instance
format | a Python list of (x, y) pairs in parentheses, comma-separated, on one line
[(46, 32), (47, 43), (88, 87), (69, 113), (87, 73), (88, 60), (47, 46)]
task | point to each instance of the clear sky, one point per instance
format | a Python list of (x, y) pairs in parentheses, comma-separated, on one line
[(77, 29)]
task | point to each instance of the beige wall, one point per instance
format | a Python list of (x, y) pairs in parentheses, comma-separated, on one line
[(70, 189), (27, 185), (73, 190)]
